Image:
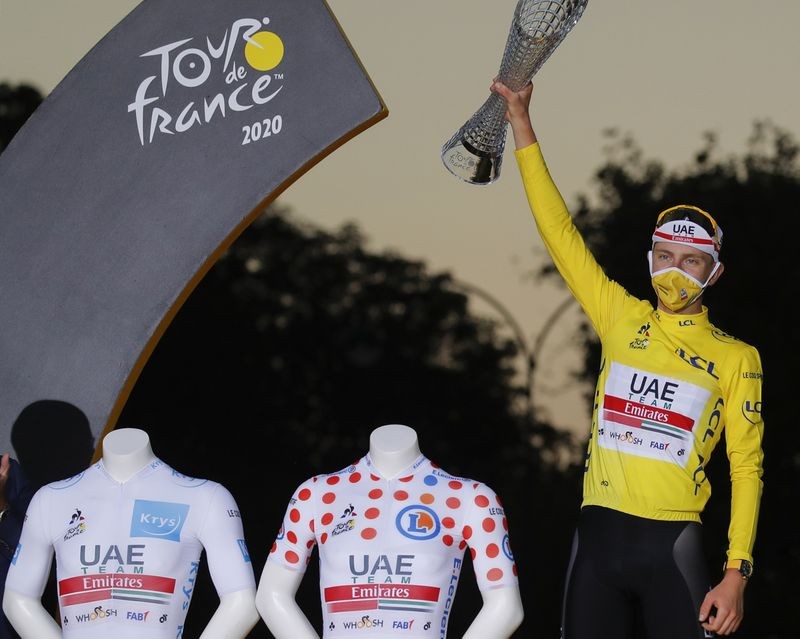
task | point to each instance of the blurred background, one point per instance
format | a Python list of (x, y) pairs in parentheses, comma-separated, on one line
[(380, 289)]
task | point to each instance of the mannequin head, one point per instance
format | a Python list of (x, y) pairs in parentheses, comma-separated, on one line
[(393, 448)]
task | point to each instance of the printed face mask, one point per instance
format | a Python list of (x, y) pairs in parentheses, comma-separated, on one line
[(675, 288)]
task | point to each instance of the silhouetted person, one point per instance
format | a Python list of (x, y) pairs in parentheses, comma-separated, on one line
[(15, 495), (52, 440)]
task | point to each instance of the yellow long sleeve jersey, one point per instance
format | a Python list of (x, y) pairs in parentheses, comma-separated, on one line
[(668, 386)]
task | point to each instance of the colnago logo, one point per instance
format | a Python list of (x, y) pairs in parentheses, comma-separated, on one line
[(418, 522), (237, 62), (158, 519)]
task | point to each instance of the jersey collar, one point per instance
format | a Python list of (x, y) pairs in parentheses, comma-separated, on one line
[(682, 322), (419, 465), (146, 471)]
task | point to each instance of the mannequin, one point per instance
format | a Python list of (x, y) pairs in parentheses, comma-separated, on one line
[(128, 463), (393, 453)]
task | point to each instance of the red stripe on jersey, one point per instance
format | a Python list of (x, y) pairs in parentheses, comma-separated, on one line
[(635, 413)]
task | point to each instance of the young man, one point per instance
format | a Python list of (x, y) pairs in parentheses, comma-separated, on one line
[(669, 383)]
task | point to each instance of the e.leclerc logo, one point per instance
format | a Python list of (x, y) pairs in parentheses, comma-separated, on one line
[(418, 522), (245, 55)]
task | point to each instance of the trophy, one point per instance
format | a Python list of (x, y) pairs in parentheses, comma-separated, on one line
[(475, 152)]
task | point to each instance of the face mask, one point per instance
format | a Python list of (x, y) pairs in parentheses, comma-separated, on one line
[(675, 288)]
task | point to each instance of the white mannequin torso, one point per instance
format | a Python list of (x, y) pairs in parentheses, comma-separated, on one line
[(126, 452), (393, 449)]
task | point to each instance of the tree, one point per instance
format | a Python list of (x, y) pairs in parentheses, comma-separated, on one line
[(307, 340), (16, 106), (753, 197)]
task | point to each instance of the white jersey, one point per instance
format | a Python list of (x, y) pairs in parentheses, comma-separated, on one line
[(391, 551), (127, 554)]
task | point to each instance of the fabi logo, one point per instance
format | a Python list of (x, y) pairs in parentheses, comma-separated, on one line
[(188, 66), (418, 522)]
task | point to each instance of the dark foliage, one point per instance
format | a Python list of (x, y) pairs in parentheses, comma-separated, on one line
[(16, 106)]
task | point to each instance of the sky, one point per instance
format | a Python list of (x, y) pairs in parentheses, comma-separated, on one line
[(664, 72)]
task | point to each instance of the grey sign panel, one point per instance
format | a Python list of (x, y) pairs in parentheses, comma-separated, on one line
[(141, 167)]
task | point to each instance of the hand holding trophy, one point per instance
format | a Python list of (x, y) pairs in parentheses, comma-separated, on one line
[(475, 152)]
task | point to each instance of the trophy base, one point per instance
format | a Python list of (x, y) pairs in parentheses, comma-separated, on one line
[(470, 164)]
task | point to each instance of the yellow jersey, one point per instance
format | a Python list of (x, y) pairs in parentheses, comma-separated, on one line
[(667, 388)]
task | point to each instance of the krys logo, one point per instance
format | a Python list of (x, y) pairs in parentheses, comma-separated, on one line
[(158, 519), (211, 77), (418, 522)]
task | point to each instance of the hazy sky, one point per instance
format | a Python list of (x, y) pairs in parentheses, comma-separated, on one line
[(663, 71)]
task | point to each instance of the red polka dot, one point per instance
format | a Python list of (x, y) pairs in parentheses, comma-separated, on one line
[(291, 536), (462, 544), (374, 477), (481, 501), (355, 478), (447, 540), (505, 524), (488, 524), (328, 518), (467, 532), (333, 480), (453, 502), (492, 550), (434, 465), (292, 557), (455, 485), (369, 533), (311, 525), (310, 544), (323, 538), (426, 498), (497, 499), (448, 522), (514, 569), (375, 493), (274, 547), (473, 553), (495, 574), (407, 479), (329, 498), (400, 495), (372, 513), (304, 494), (294, 515)]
